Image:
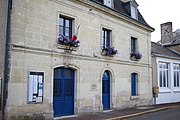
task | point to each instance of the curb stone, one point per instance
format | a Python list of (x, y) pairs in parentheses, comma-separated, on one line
[(142, 113)]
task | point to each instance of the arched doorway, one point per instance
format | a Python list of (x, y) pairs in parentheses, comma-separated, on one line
[(106, 90), (63, 92)]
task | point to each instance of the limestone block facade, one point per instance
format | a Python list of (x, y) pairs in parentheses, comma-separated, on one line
[(34, 49)]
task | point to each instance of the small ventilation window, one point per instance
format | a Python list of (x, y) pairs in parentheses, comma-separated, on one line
[(108, 3)]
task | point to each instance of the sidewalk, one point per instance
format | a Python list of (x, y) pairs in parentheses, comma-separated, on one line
[(125, 113)]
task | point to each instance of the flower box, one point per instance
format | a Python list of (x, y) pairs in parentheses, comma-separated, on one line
[(135, 56), (64, 40), (108, 51)]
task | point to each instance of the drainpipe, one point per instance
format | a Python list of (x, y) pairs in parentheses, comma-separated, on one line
[(6, 58)]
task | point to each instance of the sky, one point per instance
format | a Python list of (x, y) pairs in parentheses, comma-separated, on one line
[(156, 12)]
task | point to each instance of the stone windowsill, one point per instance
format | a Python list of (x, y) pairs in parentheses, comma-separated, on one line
[(134, 97)]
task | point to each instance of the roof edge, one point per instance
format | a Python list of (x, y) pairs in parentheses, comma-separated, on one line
[(93, 3), (166, 56)]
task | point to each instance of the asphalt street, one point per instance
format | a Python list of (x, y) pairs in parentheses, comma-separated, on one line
[(169, 114)]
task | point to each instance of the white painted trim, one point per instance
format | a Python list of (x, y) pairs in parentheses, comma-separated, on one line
[(167, 60), (170, 94)]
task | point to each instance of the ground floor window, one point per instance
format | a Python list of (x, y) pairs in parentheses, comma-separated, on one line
[(163, 74), (176, 72)]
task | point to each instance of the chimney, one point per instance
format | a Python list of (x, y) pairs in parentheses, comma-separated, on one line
[(166, 33)]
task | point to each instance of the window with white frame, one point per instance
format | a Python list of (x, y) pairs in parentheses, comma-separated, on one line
[(176, 71), (134, 14), (108, 3), (163, 74), (35, 87), (106, 38)]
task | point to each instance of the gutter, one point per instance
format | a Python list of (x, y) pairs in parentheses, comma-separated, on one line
[(6, 58), (168, 45), (166, 56), (174, 51)]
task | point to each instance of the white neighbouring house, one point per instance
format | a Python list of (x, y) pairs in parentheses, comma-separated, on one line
[(166, 66)]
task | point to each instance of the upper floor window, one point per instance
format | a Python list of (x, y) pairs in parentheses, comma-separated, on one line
[(65, 36), (107, 48), (65, 26), (163, 74), (135, 55), (134, 13), (108, 3), (176, 69), (133, 44), (106, 38), (134, 84)]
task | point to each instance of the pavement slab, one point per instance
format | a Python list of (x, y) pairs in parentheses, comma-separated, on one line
[(123, 113)]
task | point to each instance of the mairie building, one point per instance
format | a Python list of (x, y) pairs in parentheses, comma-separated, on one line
[(73, 57)]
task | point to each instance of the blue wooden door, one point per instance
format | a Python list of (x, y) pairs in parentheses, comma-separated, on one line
[(106, 90), (63, 94)]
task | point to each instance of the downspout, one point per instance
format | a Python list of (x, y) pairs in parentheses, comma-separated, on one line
[(149, 64), (6, 58)]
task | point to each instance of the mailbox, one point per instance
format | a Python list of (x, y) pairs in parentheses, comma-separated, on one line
[(155, 91)]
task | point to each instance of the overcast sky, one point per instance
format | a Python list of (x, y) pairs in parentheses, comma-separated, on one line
[(156, 12)]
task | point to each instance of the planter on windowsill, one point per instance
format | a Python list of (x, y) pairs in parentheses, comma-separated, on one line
[(72, 42), (135, 56), (108, 51)]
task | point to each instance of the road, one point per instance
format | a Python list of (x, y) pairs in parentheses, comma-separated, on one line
[(169, 114)]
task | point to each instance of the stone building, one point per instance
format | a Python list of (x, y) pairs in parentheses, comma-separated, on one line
[(69, 57)]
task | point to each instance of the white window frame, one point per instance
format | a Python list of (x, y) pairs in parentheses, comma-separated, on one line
[(106, 2), (165, 74), (171, 87), (134, 14), (106, 38), (176, 75)]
